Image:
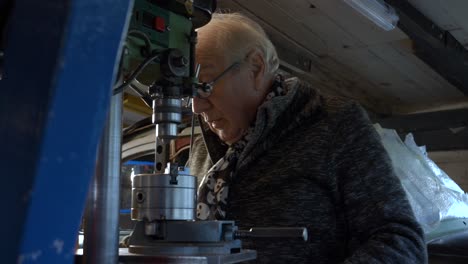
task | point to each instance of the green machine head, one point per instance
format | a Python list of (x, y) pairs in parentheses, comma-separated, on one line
[(158, 61)]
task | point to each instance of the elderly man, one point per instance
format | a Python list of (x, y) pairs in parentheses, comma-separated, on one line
[(275, 153)]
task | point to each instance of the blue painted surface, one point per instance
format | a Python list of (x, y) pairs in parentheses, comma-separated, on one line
[(25, 94), (125, 211), (137, 162), (59, 69)]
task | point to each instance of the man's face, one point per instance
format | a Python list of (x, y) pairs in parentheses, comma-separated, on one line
[(232, 105)]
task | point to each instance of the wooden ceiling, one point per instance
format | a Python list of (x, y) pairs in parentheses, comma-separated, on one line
[(342, 52)]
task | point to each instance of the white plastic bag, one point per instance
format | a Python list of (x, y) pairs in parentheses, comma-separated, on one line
[(432, 194)]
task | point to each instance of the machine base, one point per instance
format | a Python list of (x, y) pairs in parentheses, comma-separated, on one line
[(130, 258)]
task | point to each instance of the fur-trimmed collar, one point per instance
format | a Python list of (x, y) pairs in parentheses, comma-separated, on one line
[(275, 119)]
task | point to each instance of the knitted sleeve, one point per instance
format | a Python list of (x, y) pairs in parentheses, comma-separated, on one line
[(381, 224)]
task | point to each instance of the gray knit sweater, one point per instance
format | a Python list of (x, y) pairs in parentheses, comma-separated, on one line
[(317, 162)]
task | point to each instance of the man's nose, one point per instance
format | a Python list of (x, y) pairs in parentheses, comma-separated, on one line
[(200, 105)]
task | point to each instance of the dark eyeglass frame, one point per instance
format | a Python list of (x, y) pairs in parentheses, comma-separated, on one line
[(205, 89)]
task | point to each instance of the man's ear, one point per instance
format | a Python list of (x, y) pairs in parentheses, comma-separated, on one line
[(258, 67)]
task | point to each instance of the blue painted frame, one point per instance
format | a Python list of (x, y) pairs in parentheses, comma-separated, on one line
[(59, 67)]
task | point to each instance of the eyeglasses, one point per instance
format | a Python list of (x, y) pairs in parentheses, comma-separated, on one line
[(205, 89)]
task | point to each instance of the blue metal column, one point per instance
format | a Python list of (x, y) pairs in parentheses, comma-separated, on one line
[(60, 65)]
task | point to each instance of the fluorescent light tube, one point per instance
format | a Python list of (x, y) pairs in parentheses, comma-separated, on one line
[(377, 11)]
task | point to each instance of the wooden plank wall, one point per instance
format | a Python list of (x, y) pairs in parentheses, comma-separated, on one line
[(455, 164)]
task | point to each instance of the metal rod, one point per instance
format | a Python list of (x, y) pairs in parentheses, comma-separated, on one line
[(192, 129), (192, 132), (102, 214), (193, 43)]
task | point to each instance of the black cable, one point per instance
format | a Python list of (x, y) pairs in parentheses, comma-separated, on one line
[(144, 36), (192, 132), (135, 74)]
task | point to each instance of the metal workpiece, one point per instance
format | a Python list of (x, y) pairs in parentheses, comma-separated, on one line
[(164, 206), (102, 214), (161, 213), (154, 197), (274, 232)]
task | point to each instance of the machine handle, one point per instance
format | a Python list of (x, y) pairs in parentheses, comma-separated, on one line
[(273, 232)]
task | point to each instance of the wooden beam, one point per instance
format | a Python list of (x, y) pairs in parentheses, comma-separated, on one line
[(442, 140), (432, 107), (426, 121), (434, 45)]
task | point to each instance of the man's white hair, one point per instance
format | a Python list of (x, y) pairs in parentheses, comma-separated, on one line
[(236, 36)]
